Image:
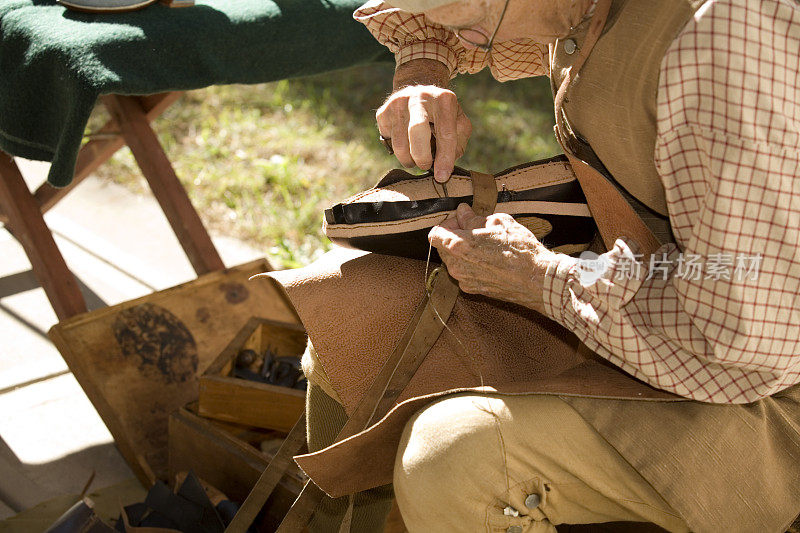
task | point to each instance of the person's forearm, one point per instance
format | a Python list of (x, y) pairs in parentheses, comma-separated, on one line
[(421, 72)]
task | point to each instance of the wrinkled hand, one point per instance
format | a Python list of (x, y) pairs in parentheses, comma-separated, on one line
[(494, 256), (406, 118)]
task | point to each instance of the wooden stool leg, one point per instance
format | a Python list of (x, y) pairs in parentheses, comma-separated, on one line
[(150, 156), (25, 220), (97, 151)]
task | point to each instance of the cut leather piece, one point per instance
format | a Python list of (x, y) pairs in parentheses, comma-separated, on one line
[(394, 217), (80, 517)]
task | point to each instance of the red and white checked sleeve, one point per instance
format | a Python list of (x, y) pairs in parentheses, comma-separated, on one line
[(411, 36), (728, 153)]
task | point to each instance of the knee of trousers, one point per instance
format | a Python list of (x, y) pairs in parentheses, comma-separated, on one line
[(315, 372), (450, 454), (474, 454)]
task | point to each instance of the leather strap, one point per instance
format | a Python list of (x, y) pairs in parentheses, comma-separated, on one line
[(484, 193), (294, 442), (613, 214)]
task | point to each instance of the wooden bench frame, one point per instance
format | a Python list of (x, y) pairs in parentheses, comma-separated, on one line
[(22, 210)]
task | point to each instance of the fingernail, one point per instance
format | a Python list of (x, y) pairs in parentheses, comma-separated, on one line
[(441, 175)]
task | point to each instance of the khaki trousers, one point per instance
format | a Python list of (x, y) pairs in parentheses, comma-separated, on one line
[(516, 464)]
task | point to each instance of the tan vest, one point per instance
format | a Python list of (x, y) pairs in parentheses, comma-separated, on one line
[(610, 108)]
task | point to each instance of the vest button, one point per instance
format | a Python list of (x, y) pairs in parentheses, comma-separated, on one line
[(570, 46)]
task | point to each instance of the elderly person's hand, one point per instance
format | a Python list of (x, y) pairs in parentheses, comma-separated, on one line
[(411, 115), (494, 256), (420, 107), (421, 96)]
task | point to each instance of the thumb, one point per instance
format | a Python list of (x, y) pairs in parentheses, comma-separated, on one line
[(467, 218)]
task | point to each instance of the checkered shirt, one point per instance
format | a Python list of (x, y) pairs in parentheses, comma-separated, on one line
[(716, 316)]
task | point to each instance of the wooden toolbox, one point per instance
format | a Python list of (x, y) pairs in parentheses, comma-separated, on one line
[(139, 361), (251, 403)]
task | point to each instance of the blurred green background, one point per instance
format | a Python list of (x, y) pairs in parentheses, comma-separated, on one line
[(261, 162)]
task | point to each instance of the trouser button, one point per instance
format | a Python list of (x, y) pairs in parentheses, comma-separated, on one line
[(532, 501)]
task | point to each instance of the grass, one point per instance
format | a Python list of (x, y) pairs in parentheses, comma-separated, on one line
[(261, 162)]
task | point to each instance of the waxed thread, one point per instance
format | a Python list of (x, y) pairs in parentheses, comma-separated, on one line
[(477, 367)]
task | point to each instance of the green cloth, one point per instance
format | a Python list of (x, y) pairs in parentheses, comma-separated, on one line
[(54, 63)]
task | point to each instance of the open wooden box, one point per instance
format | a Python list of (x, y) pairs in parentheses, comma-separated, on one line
[(140, 360), (251, 403)]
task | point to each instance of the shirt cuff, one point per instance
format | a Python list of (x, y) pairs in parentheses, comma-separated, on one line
[(555, 289), (429, 49)]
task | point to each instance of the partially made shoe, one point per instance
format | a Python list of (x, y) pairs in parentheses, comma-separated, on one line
[(395, 216)]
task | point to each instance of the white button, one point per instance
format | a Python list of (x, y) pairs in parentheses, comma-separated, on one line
[(514, 529), (532, 501), (570, 46)]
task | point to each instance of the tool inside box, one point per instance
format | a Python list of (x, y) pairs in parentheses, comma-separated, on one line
[(256, 380)]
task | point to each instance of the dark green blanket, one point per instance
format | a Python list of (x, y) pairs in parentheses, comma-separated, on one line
[(54, 63)]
